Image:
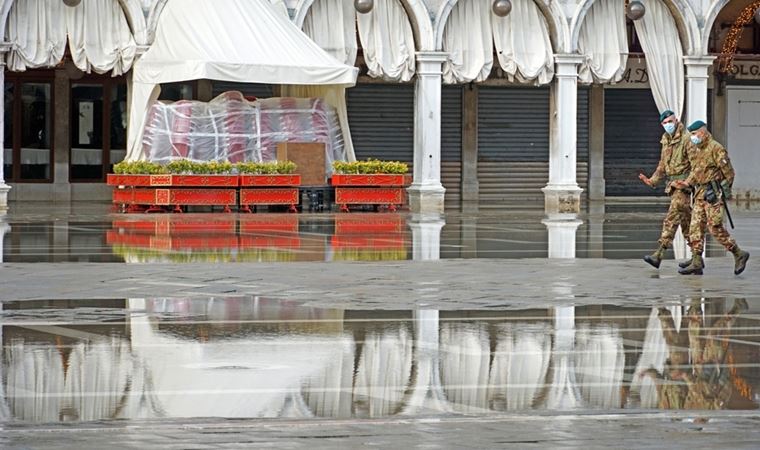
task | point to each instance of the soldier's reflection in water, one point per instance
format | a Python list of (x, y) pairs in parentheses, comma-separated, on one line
[(699, 372)]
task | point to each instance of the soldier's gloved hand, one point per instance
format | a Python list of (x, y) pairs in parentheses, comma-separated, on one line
[(726, 189)]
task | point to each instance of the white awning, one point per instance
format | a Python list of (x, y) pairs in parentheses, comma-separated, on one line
[(245, 41)]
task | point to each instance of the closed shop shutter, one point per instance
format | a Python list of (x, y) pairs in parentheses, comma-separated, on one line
[(381, 118), (513, 143), (632, 140), (451, 143)]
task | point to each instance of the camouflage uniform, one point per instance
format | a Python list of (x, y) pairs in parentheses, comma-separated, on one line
[(675, 157), (709, 163)]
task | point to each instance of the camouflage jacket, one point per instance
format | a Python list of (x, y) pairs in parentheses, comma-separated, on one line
[(710, 163), (675, 156)]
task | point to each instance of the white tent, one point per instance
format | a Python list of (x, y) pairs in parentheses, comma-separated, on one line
[(233, 40)]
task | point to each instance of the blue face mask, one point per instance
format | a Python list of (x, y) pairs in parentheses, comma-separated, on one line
[(670, 127), (695, 139)]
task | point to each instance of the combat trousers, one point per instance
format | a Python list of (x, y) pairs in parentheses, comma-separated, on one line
[(707, 216), (679, 213)]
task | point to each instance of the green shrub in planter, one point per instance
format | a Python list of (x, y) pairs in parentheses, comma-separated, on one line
[(138, 168), (370, 166), (266, 168)]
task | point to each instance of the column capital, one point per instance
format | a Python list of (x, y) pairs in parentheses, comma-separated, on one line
[(567, 64), (430, 63), (700, 60), (432, 56)]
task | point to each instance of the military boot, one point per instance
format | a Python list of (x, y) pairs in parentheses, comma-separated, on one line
[(687, 263), (655, 258), (695, 268), (740, 260)]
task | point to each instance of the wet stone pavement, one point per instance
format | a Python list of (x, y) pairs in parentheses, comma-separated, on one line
[(479, 330)]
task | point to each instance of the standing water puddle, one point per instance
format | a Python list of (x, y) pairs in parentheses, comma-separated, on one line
[(252, 357)]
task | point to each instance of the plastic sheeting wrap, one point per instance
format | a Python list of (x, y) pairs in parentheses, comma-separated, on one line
[(231, 128)]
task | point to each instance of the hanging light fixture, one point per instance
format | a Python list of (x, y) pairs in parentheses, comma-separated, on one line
[(757, 15), (363, 6), (501, 8), (72, 3), (635, 10)]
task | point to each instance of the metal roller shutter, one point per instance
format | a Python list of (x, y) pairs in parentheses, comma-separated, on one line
[(451, 143), (381, 118), (632, 140), (513, 143)]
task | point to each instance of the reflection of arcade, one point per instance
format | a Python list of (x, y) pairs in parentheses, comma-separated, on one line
[(253, 357), (370, 237), (201, 238)]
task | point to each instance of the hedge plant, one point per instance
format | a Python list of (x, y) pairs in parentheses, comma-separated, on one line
[(186, 166), (370, 166)]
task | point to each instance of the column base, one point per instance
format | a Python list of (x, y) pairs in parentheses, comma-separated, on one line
[(426, 199), (4, 188), (562, 198)]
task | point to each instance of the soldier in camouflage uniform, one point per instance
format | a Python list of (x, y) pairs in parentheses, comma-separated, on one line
[(675, 164), (711, 178)]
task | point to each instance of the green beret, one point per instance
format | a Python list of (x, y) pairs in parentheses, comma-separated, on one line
[(665, 114), (696, 125)]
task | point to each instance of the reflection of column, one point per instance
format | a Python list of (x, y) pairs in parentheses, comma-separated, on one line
[(426, 392), (61, 250), (596, 230), (562, 193), (4, 188), (469, 236), (564, 392), (596, 182), (4, 228), (562, 229), (4, 410), (426, 191), (426, 236)]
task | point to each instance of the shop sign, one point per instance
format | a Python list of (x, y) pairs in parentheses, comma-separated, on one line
[(745, 70)]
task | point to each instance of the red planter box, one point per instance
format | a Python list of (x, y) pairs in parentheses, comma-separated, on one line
[(267, 196), (270, 180), (176, 196), (173, 180), (380, 179)]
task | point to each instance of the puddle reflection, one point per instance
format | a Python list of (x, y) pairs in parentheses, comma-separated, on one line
[(255, 357), (271, 237)]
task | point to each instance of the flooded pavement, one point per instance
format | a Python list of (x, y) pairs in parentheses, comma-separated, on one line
[(252, 357), (467, 330), (91, 233)]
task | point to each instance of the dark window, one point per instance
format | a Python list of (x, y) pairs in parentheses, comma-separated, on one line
[(98, 127), (28, 131)]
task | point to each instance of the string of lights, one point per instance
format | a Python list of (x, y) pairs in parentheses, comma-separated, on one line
[(726, 57)]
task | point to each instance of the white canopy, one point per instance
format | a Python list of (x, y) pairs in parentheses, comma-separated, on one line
[(230, 40)]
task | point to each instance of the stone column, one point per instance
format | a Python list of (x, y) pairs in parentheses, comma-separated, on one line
[(60, 163), (562, 194), (562, 229), (4, 188), (596, 182), (470, 185), (697, 74), (426, 192), (426, 237)]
